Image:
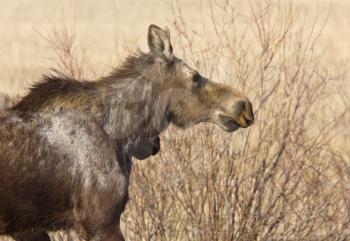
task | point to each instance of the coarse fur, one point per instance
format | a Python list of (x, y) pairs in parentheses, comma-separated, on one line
[(77, 126), (55, 185), (64, 132)]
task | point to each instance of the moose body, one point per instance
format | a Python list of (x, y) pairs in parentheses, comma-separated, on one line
[(46, 186), (65, 147), (52, 171)]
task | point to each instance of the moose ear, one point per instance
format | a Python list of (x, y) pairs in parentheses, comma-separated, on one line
[(159, 42)]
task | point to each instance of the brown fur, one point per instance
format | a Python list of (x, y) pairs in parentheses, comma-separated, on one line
[(22, 135), (73, 169)]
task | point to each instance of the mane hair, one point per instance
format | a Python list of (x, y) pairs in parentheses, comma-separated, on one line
[(110, 100), (133, 66), (6, 101), (51, 88), (56, 86)]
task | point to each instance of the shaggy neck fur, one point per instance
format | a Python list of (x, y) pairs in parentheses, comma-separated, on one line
[(126, 103)]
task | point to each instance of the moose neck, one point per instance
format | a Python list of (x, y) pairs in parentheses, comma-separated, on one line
[(134, 108), (128, 103)]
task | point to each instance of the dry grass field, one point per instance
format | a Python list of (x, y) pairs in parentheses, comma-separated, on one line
[(285, 178)]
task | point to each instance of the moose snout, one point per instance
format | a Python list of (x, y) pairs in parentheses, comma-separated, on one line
[(246, 115), (240, 114)]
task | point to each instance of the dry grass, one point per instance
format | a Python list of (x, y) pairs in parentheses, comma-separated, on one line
[(285, 178)]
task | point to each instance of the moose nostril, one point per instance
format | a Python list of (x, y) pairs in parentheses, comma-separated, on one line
[(239, 107), (243, 104), (247, 111)]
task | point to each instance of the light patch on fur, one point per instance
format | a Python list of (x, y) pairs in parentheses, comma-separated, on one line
[(93, 158)]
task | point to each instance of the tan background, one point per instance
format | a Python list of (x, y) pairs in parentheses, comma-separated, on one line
[(105, 28)]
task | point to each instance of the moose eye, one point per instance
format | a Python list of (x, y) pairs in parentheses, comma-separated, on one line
[(196, 78)]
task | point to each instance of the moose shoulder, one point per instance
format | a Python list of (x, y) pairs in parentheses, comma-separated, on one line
[(79, 123)]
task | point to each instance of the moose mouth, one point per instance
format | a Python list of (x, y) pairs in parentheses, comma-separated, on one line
[(230, 125)]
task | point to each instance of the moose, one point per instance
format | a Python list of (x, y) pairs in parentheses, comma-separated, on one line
[(66, 146)]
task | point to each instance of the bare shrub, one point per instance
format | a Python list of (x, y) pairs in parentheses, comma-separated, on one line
[(67, 57), (281, 179)]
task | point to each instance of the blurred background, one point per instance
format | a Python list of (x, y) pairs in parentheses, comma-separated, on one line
[(103, 29), (285, 178)]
